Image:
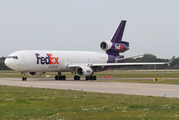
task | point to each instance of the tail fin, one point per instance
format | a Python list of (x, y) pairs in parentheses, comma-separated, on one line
[(119, 33), (117, 45)]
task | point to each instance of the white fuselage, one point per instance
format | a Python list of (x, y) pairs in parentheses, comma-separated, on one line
[(52, 61)]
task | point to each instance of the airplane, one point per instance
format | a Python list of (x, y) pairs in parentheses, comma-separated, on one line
[(82, 63)]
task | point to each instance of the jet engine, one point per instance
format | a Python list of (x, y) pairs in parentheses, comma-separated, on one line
[(106, 45), (36, 73), (84, 71), (117, 47)]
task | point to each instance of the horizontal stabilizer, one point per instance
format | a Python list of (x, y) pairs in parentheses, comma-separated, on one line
[(120, 59), (171, 60)]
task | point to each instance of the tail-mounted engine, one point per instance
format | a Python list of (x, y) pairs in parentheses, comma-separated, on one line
[(36, 73), (117, 47), (84, 71)]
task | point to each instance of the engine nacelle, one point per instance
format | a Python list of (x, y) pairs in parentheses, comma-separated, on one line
[(36, 73), (106, 45), (117, 47), (84, 71)]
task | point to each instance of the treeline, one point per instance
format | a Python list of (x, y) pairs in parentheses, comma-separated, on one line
[(2, 65), (152, 58), (145, 58)]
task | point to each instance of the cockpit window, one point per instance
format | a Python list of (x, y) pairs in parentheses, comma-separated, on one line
[(14, 57)]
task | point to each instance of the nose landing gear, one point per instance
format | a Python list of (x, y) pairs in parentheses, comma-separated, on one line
[(24, 77)]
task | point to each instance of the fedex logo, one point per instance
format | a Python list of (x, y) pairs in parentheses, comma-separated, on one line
[(47, 60), (118, 47), (88, 71)]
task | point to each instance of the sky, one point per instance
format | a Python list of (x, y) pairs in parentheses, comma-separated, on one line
[(152, 26)]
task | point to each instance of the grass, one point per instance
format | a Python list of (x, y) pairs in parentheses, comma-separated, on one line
[(40, 103), (139, 74), (172, 82)]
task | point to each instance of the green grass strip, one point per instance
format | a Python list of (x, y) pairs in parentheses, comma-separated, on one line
[(41, 103)]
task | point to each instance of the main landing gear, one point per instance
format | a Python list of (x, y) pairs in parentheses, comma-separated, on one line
[(76, 77), (60, 77), (91, 77)]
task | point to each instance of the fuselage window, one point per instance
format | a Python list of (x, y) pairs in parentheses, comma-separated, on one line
[(9, 57), (14, 57)]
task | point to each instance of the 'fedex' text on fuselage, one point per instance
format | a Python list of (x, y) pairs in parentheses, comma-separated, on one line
[(47, 60)]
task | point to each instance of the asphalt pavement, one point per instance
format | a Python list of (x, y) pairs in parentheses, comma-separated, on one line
[(93, 86)]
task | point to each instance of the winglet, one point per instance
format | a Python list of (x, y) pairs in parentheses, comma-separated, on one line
[(171, 60)]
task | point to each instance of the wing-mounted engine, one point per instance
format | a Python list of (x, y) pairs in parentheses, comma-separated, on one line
[(116, 47), (36, 73), (84, 71)]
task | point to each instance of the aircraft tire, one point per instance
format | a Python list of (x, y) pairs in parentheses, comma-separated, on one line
[(24, 78), (87, 77), (64, 77), (76, 77), (90, 77), (56, 77), (60, 77), (94, 77)]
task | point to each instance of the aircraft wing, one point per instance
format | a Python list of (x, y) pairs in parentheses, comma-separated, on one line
[(115, 64), (129, 64), (121, 64)]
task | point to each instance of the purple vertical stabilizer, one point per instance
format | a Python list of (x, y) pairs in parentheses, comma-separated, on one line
[(118, 46), (119, 32)]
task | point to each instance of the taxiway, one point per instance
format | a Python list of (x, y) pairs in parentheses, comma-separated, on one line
[(105, 87)]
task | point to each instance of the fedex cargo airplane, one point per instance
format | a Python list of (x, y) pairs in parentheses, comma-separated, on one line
[(82, 63)]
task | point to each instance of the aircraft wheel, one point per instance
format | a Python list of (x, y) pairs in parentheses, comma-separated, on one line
[(90, 77), (24, 78), (64, 77), (76, 77), (94, 77), (87, 77), (60, 77), (56, 77)]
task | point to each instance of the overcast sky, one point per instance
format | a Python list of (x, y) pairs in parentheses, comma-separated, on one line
[(152, 26)]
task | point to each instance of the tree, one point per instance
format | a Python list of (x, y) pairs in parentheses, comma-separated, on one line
[(2, 65)]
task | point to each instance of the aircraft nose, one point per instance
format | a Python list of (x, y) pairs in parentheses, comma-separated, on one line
[(7, 62), (10, 63)]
